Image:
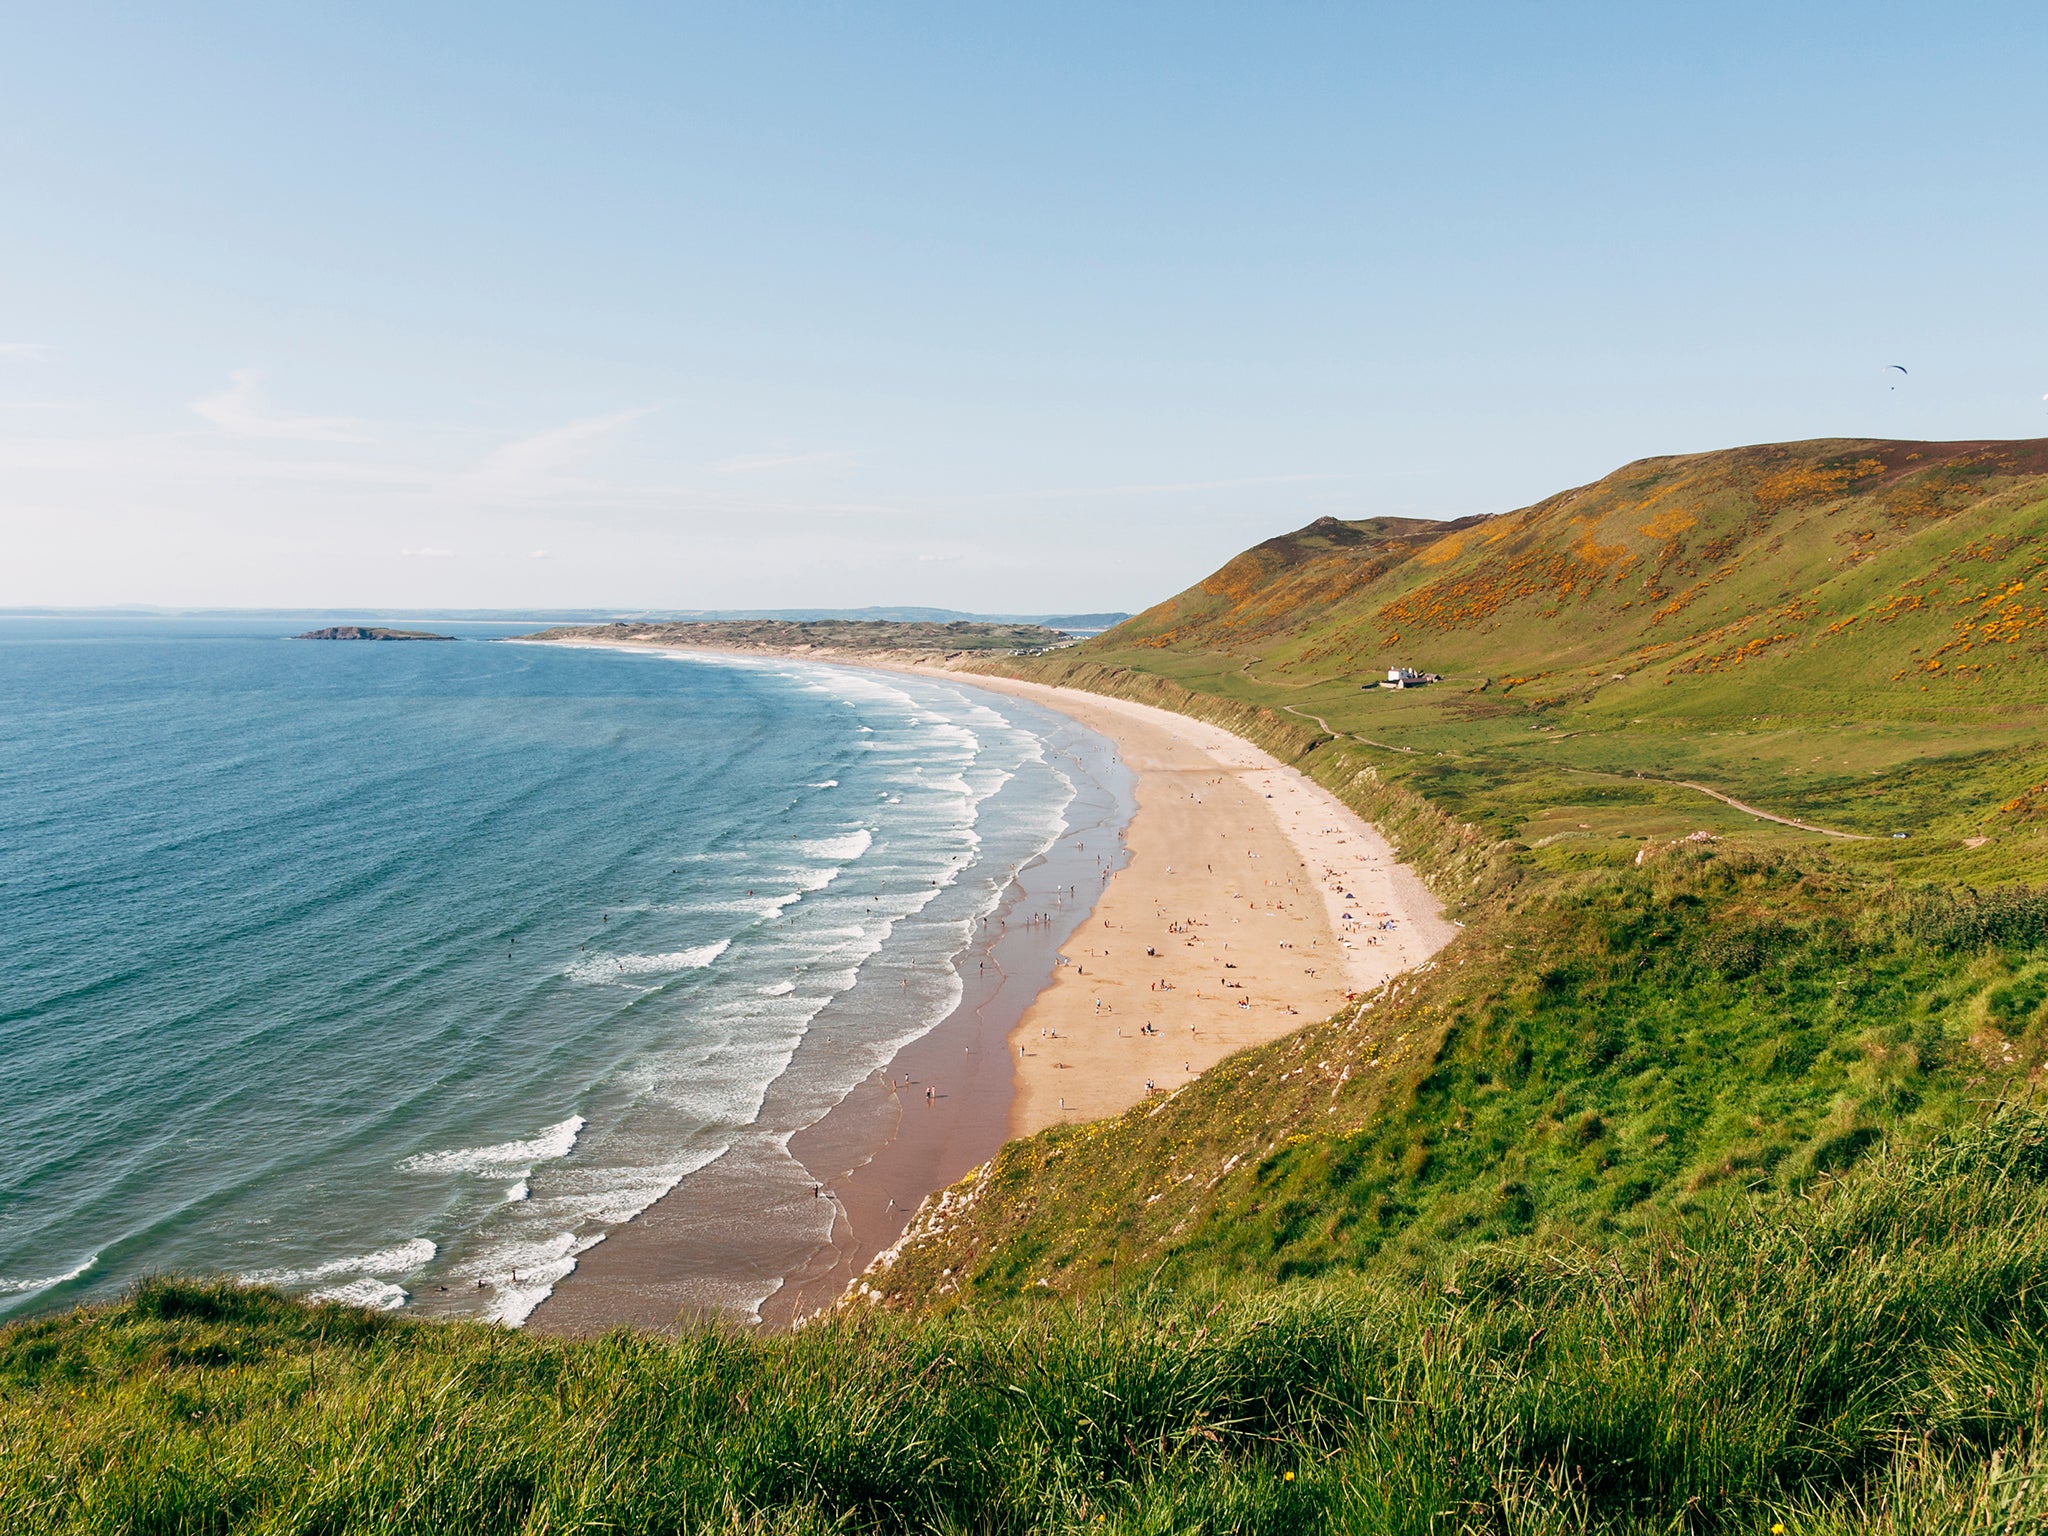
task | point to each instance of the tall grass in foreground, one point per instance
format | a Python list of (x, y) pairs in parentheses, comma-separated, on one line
[(1867, 1358)]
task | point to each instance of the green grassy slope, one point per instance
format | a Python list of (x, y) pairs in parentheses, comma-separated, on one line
[(1868, 1358), (1611, 1054)]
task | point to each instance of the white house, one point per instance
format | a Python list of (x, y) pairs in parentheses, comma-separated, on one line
[(1407, 677)]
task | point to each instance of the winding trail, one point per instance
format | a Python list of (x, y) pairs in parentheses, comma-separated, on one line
[(1729, 800), (1783, 821), (1349, 735)]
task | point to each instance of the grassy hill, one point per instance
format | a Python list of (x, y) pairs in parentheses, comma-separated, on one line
[(1700, 1185), (1854, 634), (1794, 559)]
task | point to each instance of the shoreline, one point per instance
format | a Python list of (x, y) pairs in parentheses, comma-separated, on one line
[(1117, 993), (881, 1148)]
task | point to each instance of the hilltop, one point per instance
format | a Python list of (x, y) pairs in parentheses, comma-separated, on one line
[(1685, 566)]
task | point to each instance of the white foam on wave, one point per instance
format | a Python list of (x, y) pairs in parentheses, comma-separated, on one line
[(843, 847), (824, 784), (369, 1281), (527, 1273), (507, 1157), (520, 1268), (378, 1295), (27, 1287), (599, 969), (780, 989)]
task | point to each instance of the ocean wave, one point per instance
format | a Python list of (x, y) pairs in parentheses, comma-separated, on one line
[(529, 1273), (603, 968), (521, 1271), (623, 1201), (843, 848), (519, 1157), (26, 1287), (400, 1259), (780, 989), (824, 784), (378, 1295)]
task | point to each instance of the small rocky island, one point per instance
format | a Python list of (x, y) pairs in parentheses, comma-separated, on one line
[(367, 632)]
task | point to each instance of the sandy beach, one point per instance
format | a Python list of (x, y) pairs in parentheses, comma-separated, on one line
[(1253, 902), (1241, 901)]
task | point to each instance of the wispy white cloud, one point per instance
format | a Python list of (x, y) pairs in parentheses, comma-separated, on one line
[(23, 348), (534, 465), (239, 410), (428, 554), (1173, 487), (540, 554), (758, 462)]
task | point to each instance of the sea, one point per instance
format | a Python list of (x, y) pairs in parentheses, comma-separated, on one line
[(403, 973)]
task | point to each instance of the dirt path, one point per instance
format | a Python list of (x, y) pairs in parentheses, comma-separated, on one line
[(1783, 821), (1729, 800), (1352, 735)]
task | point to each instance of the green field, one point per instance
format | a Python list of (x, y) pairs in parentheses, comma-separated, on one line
[(1701, 1184)]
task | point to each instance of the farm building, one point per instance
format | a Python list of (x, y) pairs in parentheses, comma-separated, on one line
[(1407, 677)]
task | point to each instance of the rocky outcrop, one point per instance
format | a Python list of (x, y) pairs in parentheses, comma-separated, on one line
[(367, 632)]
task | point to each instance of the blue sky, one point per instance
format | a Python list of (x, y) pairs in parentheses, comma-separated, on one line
[(1008, 308)]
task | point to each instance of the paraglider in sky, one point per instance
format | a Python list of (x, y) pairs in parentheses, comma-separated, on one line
[(1898, 368)]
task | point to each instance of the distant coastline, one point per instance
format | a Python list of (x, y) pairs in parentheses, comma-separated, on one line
[(851, 639)]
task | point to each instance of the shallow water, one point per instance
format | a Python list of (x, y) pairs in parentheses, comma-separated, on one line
[(403, 973)]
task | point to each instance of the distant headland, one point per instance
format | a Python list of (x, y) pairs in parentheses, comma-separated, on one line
[(367, 632), (829, 637)]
